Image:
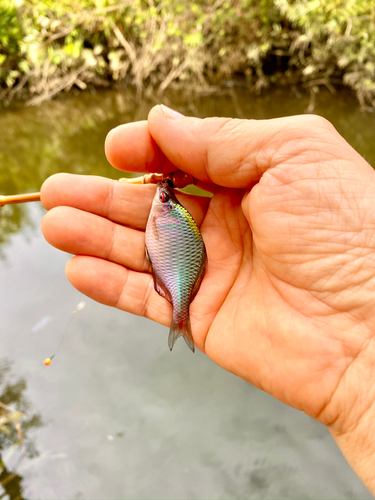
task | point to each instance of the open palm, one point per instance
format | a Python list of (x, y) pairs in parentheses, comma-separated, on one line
[(287, 302)]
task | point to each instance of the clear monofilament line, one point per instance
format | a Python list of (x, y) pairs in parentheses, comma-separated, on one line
[(81, 304)]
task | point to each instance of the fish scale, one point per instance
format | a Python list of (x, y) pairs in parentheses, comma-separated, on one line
[(177, 255)]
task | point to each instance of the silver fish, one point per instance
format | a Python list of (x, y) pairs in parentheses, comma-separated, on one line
[(176, 251)]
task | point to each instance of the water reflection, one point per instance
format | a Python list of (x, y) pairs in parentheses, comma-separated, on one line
[(170, 416), (63, 136), (12, 219), (16, 420), (11, 484)]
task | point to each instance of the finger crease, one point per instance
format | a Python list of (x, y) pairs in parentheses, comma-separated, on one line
[(112, 242), (122, 291), (109, 199)]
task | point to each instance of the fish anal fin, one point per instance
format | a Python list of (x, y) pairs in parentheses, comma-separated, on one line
[(160, 287)]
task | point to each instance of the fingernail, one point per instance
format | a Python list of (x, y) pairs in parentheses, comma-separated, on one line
[(171, 113), (109, 134), (107, 139)]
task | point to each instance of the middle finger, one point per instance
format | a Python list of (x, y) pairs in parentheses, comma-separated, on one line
[(82, 233)]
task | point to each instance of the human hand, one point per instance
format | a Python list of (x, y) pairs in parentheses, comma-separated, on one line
[(287, 302)]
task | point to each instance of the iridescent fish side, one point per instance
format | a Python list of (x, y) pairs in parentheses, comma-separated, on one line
[(176, 251)]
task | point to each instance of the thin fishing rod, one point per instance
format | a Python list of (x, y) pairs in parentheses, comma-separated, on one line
[(178, 178)]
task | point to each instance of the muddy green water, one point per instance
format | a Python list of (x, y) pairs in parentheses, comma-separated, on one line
[(117, 415)]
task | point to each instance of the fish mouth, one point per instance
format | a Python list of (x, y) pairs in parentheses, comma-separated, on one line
[(167, 183)]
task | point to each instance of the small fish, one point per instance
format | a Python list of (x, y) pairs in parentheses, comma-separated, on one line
[(176, 252)]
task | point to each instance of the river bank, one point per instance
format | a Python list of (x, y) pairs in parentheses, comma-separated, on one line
[(48, 47)]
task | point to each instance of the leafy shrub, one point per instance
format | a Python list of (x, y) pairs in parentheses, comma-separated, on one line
[(47, 46)]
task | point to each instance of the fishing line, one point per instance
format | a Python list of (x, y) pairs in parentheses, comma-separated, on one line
[(81, 304), (161, 162)]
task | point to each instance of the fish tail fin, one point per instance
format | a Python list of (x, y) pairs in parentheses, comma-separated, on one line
[(181, 328)]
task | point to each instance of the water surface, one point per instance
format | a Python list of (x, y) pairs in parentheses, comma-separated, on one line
[(121, 416)]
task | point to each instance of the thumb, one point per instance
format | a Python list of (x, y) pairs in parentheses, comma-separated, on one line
[(235, 153)]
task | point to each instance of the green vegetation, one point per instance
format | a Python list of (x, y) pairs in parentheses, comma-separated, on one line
[(47, 46)]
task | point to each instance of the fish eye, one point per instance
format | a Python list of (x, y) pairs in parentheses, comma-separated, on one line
[(163, 197)]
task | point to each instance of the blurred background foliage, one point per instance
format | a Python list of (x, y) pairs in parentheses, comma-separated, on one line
[(49, 46)]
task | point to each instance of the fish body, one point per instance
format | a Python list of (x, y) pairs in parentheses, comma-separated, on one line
[(176, 251)]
